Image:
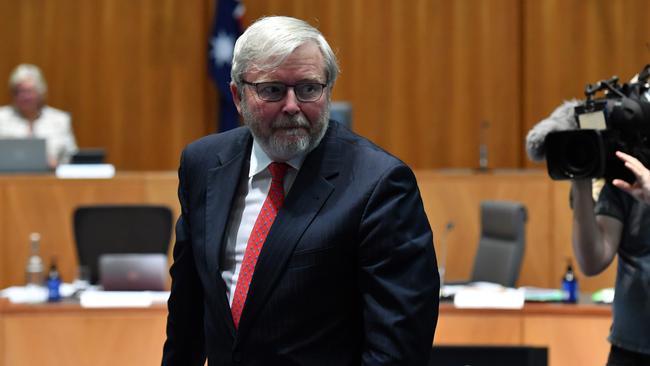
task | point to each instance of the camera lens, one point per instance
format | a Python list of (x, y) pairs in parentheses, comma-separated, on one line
[(580, 154), (574, 154)]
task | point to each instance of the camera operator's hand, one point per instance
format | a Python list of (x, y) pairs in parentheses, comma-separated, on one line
[(641, 187)]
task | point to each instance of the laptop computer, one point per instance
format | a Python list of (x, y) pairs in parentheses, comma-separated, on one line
[(133, 272), (23, 155)]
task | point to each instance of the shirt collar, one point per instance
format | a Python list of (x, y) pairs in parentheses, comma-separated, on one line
[(260, 161)]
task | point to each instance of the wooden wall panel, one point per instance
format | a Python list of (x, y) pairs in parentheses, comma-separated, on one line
[(456, 196), (84, 337), (571, 340), (66, 334), (132, 73), (422, 75), (487, 328), (573, 334), (569, 43), (42, 209), (46, 205)]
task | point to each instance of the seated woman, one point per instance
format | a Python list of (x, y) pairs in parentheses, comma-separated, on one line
[(30, 117)]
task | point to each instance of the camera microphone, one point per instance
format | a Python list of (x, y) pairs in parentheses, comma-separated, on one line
[(562, 118), (644, 74)]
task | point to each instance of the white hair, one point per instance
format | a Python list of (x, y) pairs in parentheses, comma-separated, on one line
[(270, 40), (28, 72)]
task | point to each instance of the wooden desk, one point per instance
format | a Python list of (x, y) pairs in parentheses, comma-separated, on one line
[(45, 204), (573, 334), (66, 334), (455, 195)]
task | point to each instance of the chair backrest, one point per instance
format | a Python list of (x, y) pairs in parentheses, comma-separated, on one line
[(501, 244), (120, 229), (342, 112)]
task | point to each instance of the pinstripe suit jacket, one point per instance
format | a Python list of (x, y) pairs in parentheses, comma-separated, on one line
[(347, 275)]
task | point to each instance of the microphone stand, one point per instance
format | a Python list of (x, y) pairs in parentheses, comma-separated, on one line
[(443, 253), (483, 146)]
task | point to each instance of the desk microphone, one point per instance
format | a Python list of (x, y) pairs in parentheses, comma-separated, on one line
[(443, 251), (483, 147)]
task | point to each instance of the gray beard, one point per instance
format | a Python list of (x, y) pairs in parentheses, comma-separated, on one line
[(277, 147)]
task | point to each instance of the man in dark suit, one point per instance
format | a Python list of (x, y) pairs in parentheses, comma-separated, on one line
[(299, 242)]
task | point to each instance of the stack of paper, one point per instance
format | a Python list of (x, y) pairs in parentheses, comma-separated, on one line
[(25, 295), (486, 295), (85, 171), (605, 296), (544, 294), (112, 299)]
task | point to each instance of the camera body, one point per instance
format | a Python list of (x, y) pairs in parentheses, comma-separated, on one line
[(618, 121)]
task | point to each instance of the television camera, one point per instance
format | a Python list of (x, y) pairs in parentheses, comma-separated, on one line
[(619, 120)]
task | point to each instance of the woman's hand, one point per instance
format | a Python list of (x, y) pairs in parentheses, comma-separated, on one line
[(641, 187)]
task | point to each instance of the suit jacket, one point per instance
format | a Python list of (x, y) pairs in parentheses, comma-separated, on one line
[(346, 276)]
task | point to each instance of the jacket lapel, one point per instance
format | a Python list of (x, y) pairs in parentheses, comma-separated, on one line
[(221, 185), (310, 191)]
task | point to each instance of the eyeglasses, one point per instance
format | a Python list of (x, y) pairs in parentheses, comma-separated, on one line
[(275, 91)]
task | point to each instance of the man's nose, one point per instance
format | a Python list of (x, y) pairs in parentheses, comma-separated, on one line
[(291, 102)]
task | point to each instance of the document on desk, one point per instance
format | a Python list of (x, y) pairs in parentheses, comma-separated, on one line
[(85, 171), (116, 299), (25, 294), (489, 296), (539, 294)]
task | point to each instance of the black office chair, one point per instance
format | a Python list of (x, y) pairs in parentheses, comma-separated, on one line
[(133, 229), (502, 242)]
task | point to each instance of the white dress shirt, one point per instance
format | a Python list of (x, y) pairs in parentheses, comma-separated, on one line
[(247, 205), (53, 125)]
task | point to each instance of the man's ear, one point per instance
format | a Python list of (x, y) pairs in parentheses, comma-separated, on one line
[(236, 95)]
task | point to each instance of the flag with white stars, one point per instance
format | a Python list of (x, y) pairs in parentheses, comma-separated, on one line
[(225, 31)]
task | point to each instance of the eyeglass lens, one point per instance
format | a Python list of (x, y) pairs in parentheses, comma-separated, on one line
[(305, 92)]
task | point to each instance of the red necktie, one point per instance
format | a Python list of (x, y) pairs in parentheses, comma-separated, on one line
[(262, 226)]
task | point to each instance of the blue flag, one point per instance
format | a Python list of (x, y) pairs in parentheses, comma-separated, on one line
[(225, 31)]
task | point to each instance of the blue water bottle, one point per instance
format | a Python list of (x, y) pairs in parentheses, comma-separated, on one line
[(570, 284), (53, 283)]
